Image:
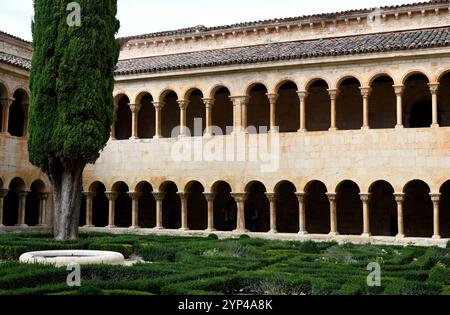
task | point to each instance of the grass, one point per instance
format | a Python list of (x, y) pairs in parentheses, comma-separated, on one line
[(208, 266)]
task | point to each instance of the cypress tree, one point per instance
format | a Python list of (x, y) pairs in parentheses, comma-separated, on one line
[(71, 108)]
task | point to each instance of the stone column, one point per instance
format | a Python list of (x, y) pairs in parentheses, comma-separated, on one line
[(210, 199), (333, 96), (365, 92), (112, 196), (273, 211), (434, 87), (333, 215), (302, 95), (22, 204), (399, 94), (158, 109), (239, 113), (240, 201), (209, 103), (25, 119), (6, 103), (3, 193), (365, 198), (302, 214), (89, 207), (273, 97), (135, 209), (43, 197), (436, 198), (184, 210), (135, 108), (159, 197), (399, 198), (183, 108)]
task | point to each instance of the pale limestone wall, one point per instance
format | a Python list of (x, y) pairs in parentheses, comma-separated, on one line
[(374, 22), (15, 47)]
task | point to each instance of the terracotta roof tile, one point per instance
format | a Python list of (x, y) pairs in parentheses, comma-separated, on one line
[(15, 61)]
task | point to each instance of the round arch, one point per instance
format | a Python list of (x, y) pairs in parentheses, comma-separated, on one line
[(257, 207), (383, 209), (287, 207), (417, 209), (349, 208)]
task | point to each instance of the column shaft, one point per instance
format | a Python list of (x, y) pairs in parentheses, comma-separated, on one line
[(210, 199), (301, 214), (159, 197), (209, 103), (158, 108), (365, 198), (436, 198), (365, 92), (273, 211), (43, 197), (184, 211), (302, 95), (399, 96), (112, 196), (135, 108), (434, 87), (22, 204), (399, 198), (333, 215), (89, 207), (333, 96), (134, 209), (240, 201), (273, 110), (183, 107), (6, 103)]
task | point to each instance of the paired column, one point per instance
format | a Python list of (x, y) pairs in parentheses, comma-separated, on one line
[(112, 196), (434, 87), (398, 89), (239, 113), (6, 104), (273, 211), (273, 97), (158, 109), (183, 108), (89, 207), (333, 97), (184, 210), (22, 203), (135, 209), (399, 198), (333, 215), (135, 108), (43, 197), (302, 215), (209, 103), (159, 197), (436, 198), (3, 193), (365, 92), (240, 199), (365, 198), (302, 95), (210, 199)]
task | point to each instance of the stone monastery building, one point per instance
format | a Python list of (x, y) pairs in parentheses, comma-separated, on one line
[(348, 136)]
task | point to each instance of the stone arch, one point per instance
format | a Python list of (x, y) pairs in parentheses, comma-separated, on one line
[(11, 202), (171, 206), (32, 205), (383, 209), (257, 208), (122, 213), (225, 208), (283, 82), (197, 206), (444, 210), (318, 109), (122, 125), (349, 208), (382, 103), (100, 206), (258, 109), (417, 101), (146, 117), (317, 208), (170, 114), (287, 112), (195, 112), (444, 99), (287, 207), (417, 209), (349, 104), (222, 110), (18, 114), (146, 205)]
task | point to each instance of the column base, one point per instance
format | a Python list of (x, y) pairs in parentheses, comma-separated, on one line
[(333, 234), (210, 230), (157, 137), (133, 227), (303, 233), (435, 126), (437, 237), (366, 235), (21, 225), (399, 127), (400, 236), (332, 129), (2, 226), (134, 138), (183, 229), (301, 130), (207, 136), (365, 128), (273, 232), (42, 226), (4, 134), (88, 226), (240, 231), (111, 227), (158, 228)]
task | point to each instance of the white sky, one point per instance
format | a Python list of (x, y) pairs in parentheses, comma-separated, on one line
[(146, 16)]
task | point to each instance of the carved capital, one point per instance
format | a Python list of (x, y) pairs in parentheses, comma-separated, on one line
[(365, 91), (111, 195), (183, 104), (3, 193), (333, 94), (399, 197), (239, 197), (435, 197), (239, 100), (332, 197), (272, 197), (135, 194), (158, 105), (7, 101), (300, 197), (135, 108), (159, 196), (44, 196), (434, 87), (273, 97), (183, 195), (23, 194), (302, 95), (365, 197), (209, 196), (89, 194), (398, 89), (209, 102)]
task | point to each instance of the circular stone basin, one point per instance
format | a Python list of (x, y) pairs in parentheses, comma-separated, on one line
[(61, 258)]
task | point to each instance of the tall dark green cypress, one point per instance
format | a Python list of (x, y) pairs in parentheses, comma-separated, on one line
[(71, 108)]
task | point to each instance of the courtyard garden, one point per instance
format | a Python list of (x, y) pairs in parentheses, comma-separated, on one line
[(209, 266)]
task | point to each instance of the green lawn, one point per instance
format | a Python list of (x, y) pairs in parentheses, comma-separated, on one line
[(234, 266)]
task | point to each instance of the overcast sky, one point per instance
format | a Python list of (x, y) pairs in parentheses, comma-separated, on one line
[(146, 16)]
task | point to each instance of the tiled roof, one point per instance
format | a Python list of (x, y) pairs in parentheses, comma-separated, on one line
[(15, 38), (351, 45), (15, 61), (298, 19)]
